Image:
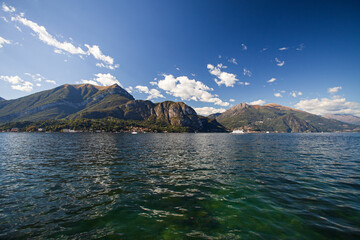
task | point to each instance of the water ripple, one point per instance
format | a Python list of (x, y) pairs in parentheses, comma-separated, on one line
[(176, 186)]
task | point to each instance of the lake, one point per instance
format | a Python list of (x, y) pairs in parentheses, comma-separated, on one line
[(179, 186)]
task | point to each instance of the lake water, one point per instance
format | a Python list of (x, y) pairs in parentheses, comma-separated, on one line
[(179, 186)]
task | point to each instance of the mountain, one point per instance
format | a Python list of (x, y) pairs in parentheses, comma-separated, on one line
[(60, 102), (346, 118), (94, 102), (214, 115), (273, 117), (1, 99)]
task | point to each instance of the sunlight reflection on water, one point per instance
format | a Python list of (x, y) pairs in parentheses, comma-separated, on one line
[(291, 186)]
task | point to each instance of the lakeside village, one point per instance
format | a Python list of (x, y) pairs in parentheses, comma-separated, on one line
[(66, 130), (132, 130)]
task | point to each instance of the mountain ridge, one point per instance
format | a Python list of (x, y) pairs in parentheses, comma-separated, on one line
[(277, 118), (346, 118), (86, 101), (97, 102)]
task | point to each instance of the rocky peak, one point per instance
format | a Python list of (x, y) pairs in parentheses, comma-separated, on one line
[(241, 106), (173, 109), (235, 110), (119, 90)]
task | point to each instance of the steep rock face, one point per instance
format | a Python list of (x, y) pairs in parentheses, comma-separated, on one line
[(177, 114), (172, 113), (137, 110)]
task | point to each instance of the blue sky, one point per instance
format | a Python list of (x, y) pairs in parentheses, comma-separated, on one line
[(210, 54)]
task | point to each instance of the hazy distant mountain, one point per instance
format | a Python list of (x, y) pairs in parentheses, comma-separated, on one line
[(273, 117), (95, 102), (1, 99), (214, 115), (347, 118)]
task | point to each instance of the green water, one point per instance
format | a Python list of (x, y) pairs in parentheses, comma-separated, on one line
[(179, 186)]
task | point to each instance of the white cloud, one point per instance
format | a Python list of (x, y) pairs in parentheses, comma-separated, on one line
[(96, 52), (334, 89), (232, 100), (17, 83), (247, 72), (38, 77), (271, 80), (279, 63), (264, 49), (153, 93), (300, 47), (3, 41), (193, 74), (25, 87), (103, 80), (295, 94), (92, 82), (111, 67), (18, 28), (228, 79), (245, 83), (12, 79), (244, 47), (178, 69), (188, 89), (50, 81), (6, 8), (258, 102), (38, 84), (219, 56), (277, 95), (47, 38), (335, 105), (65, 46), (129, 89), (283, 48), (205, 111), (4, 18), (232, 60), (58, 51)]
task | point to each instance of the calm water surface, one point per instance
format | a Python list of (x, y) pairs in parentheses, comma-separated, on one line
[(179, 186)]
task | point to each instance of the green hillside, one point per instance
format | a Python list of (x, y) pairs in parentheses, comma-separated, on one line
[(62, 101), (73, 102)]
